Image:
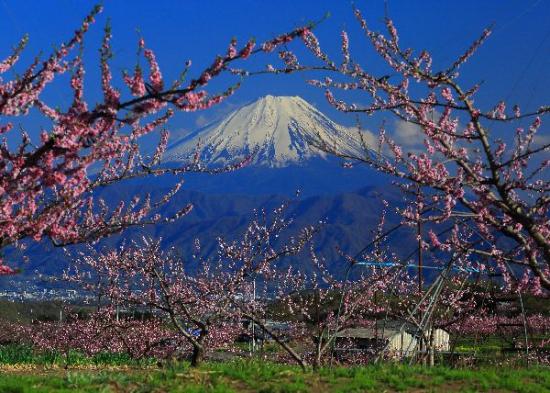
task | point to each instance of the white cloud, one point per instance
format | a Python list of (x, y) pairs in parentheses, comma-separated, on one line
[(407, 134), (368, 136)]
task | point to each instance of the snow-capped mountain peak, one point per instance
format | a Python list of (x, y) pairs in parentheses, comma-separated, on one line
[(277, 129)]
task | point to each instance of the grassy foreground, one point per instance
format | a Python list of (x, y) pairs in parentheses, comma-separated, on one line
[(244, 376)]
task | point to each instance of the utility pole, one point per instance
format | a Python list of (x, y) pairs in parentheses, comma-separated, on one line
[(423, 345), (254, 309), (419, 236)]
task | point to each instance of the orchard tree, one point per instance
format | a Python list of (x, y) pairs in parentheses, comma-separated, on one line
[(46, 185), (491, 187), (316, 305), (201, 298), (319, 305), (101, 331), (143, 276)]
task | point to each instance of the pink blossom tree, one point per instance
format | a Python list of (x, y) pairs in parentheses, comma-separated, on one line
[(46, 185), (145, 276), (201, 298), (491, 186), (316, 305), (101, 331)]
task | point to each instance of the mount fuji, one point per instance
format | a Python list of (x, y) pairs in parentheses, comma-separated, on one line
[(276, 132)]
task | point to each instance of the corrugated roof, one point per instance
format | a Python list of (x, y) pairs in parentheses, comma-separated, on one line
[(367, 333)]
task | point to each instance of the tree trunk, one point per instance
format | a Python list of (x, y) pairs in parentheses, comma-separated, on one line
[(198, 356), (317, 360)]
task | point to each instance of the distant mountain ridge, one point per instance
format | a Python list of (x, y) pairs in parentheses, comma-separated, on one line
[(349, 219)]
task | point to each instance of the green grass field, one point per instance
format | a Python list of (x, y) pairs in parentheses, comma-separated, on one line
[(26, 370), (245, 376)]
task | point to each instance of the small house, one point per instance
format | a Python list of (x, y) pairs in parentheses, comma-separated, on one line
[(441, 339), (393, 343)]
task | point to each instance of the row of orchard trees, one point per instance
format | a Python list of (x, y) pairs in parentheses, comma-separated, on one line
[(196, 307), (483, 198), (200, 305)]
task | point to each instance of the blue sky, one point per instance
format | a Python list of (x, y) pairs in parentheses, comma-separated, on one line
[(513, 64)]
